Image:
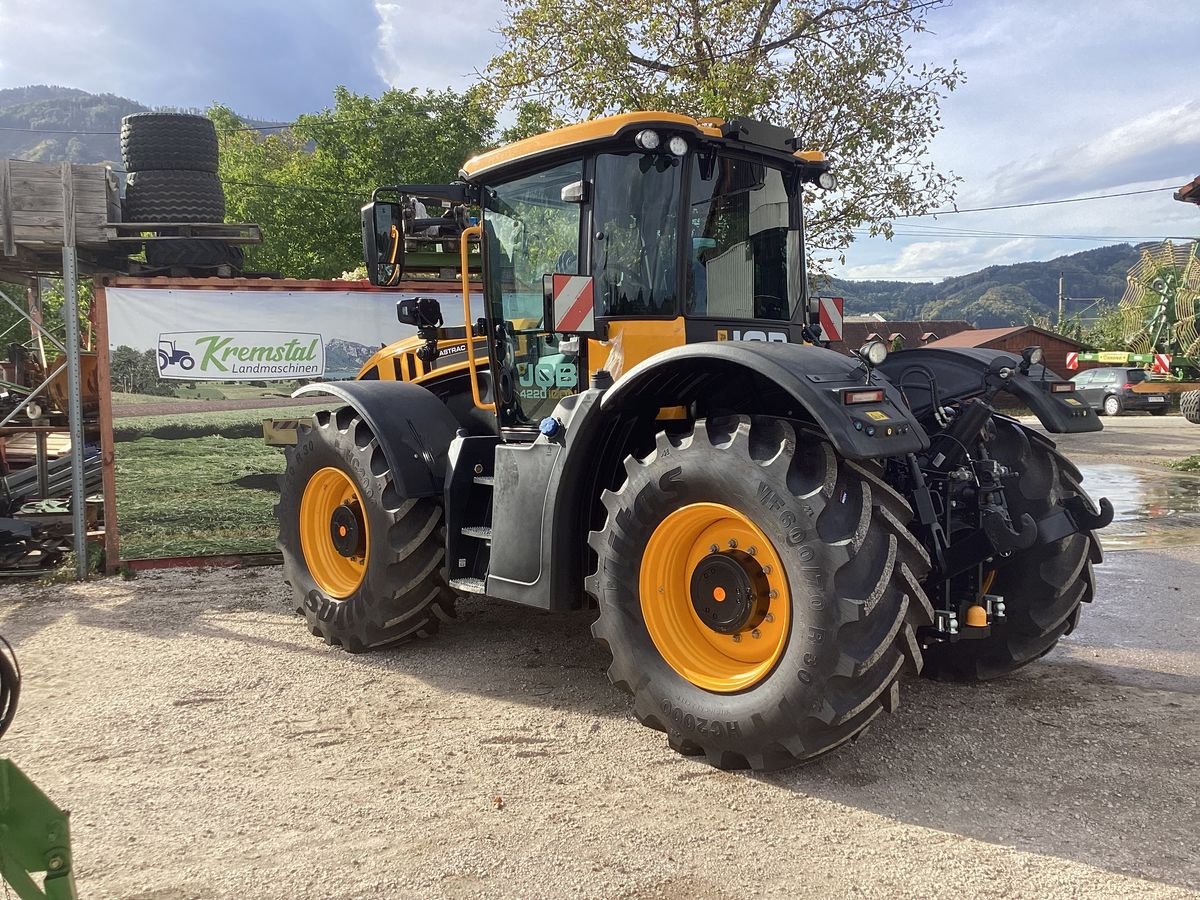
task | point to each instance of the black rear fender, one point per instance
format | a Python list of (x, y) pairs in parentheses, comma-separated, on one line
[(785, 380), (932, 376), (413, 427)]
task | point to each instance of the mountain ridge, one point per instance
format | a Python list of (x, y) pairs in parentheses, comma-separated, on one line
[(990, 297)]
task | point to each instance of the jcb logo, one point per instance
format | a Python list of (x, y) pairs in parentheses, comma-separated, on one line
[(734, 334)]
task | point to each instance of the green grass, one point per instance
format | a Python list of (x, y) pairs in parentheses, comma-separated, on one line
[(213, 391), (177, 490), (1187, 464), (237, 423), (181, 497)]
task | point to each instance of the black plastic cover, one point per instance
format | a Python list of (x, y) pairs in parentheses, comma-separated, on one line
[(811, 379), (413, 427), (953, 374)]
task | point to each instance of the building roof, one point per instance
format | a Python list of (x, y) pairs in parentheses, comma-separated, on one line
[(1190, 192), (856, 332), (980, 337)]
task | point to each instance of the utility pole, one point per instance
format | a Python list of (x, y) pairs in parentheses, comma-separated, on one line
[(1058, 323), (1063, 298)]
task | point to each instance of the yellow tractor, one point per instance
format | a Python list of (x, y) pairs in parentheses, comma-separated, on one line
[(642, 417)]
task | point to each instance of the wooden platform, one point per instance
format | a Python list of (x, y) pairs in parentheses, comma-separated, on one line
[(34, 197), (23, 447)]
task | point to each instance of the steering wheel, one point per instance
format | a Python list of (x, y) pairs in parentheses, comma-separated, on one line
[(768, 306)]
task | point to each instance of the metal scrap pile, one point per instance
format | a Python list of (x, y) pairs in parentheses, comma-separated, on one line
[(35, 534)]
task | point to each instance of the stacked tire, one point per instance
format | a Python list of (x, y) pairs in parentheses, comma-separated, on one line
[(172, 160)]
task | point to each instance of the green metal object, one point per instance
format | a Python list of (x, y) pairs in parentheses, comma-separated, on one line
[(34, 837)]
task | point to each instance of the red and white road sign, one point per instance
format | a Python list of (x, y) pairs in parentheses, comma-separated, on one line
[(1072, 360), (829, 315), (574, 303), (1161, 364)]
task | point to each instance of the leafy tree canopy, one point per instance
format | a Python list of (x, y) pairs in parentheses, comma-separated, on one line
[(305, 185), (839, 73)]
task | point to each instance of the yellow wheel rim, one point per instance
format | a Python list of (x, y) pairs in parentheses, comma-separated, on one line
[(336, 553), (699, 559)]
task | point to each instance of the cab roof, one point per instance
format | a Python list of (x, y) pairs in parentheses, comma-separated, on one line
[(598, 130)]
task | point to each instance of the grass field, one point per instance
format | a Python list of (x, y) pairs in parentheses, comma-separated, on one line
[(210, 492), (216, 391), (237, 423)]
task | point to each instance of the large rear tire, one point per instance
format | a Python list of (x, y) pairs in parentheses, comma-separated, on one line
[(364, 563), (1043, 587), (1189, 405), (706, 525)]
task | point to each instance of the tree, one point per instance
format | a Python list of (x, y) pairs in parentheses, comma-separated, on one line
[(1104, 330), (838, 73), (304, 185), (136, 372)]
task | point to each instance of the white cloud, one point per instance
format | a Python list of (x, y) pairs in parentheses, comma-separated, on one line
[(435, 44), (1061, 100)]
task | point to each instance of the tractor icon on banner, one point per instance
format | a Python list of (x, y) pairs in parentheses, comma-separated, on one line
[(168, 355)]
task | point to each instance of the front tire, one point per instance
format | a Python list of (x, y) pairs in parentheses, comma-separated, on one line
[(735, 510), (1043, 587), (364, 563)]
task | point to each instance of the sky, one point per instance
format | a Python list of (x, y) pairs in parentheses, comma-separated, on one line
[(1062, 100)]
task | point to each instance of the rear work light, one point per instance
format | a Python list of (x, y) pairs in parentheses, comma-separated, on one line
[(1062, 387), (851, 398)]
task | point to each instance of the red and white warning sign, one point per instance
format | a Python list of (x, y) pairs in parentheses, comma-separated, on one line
[(1161, 364), (573, 303), (1072, 360), (829, 315)]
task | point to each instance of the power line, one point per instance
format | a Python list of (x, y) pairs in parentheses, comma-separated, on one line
[(947, 212)]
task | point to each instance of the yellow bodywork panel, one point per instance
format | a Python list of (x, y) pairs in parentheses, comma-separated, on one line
[(631, 341), (583, 133)]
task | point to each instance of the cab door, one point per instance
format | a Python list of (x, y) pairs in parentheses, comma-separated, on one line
[(532, 227)]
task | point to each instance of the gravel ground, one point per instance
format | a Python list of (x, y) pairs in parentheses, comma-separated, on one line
[(209, 747), (1133, 439)]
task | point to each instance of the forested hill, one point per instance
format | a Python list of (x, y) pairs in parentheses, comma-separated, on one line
[(62, 109), (997, 295)]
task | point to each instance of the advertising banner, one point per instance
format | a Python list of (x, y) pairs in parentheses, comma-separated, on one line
[(225, 355), (262, 335), (202, 382)]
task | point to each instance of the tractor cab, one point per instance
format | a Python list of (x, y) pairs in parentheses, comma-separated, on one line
[(607, 242)]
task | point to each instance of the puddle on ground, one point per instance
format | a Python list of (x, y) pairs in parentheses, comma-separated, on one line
[(1152, 509)]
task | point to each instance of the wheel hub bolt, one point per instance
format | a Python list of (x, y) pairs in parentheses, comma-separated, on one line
[(713, 548), (737, 638), (753, 551), (774, 594), (769, 617), (732, 544), (755, 633)]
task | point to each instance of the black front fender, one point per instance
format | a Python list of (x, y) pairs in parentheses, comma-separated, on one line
[(775, 379), (941, 375), (412, 425)]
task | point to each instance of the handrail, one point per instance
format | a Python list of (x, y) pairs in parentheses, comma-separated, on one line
[(474, 231)]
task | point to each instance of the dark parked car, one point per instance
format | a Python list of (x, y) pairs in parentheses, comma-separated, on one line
[(1111, 391)]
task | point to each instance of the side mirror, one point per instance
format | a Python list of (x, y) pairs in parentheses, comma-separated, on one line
[(383, 242)]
